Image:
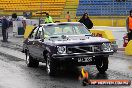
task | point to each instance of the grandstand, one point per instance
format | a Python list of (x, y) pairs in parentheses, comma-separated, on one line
[(109, 12), (104, 7), (54, 7)]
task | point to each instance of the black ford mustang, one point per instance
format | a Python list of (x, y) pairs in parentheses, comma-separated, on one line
[(57, 44)]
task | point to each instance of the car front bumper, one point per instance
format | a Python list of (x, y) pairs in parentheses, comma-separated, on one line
[(78, 55)]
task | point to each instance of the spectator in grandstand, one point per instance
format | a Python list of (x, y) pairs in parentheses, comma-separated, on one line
[(68, 18), (48, 19), (5, 26), (129, 26), (86, 21)]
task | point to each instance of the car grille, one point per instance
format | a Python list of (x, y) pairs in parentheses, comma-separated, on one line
[(84, 49)]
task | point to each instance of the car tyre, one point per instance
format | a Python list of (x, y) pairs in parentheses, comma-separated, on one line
[(30, 61), (102, 64), (51, 66)]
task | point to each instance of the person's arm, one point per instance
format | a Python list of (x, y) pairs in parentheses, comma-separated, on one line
[(45, 21), (91, 23), (51, 20), (127, 24), (80, 20)]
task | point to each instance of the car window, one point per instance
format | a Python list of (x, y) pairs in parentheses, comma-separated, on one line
[(49, 31), (79, 29), (39, 34), (34, 33), (67, 29)]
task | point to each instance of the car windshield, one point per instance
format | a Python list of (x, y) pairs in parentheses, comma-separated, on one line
[(66, 29)]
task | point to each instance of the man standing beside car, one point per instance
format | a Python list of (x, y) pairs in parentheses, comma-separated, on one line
[(86, 21), (5, 25), (129, 26)]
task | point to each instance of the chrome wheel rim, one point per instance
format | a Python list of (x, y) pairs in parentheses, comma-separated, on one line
[(27, 59), (48, 65)]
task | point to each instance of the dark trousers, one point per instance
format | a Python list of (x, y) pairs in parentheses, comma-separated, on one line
[(130, 36), (5, 35)]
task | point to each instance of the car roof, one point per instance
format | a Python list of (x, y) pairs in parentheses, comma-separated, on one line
[(61, 23)]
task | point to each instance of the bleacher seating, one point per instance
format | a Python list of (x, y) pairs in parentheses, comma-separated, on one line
[(104, 7), (60, 7), (54, 7)]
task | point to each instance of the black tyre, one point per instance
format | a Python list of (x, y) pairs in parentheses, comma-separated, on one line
[(84, 83), (102, 64), (51, 66), (30, 61)]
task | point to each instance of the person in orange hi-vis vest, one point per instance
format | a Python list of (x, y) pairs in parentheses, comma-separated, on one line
[(129, 26)]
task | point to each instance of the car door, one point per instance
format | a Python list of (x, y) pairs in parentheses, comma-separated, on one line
[(31, 41), (38, 45)]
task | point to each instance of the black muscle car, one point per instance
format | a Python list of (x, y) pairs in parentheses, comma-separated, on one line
[(57, 44)]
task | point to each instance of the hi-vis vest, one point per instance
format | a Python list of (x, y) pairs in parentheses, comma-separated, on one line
[(130, 23), (48, 20)]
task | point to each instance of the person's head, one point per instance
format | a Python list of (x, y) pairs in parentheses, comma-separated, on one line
[(4, 17), (85, 16), (47, 14), (68, 12), (131, 13), (14, 15)]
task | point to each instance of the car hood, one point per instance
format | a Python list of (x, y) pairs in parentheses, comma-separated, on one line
[(75, 40)]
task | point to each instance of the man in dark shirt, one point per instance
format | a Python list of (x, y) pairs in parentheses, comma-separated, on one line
[(86, 21), (5, 25)]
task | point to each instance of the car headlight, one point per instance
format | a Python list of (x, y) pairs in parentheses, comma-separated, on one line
[(61, 49), (106, 47)]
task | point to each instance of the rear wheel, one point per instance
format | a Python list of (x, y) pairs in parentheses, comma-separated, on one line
[(51, 66), (30, 61), (102, 64)]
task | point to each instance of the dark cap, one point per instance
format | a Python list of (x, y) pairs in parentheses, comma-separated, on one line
[(130, 11), (47, 13)]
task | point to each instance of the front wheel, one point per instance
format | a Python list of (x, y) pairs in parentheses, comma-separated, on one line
[(51, 66), (30, 61), (102, 64)]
